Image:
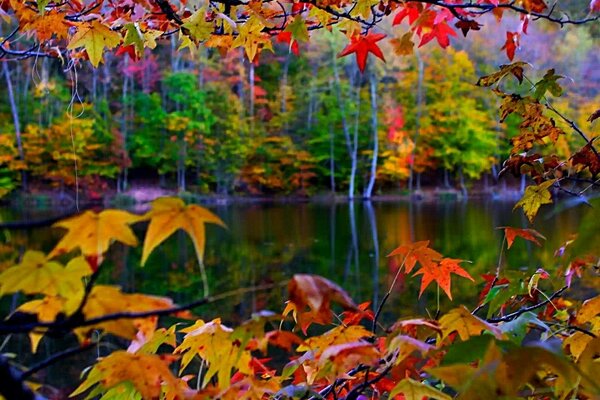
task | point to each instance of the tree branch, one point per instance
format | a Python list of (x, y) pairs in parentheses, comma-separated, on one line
[(511, 316)]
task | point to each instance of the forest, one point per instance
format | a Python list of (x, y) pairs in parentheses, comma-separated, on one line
[(279, 199)]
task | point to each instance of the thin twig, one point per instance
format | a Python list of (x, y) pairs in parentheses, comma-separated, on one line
[(511, 316)]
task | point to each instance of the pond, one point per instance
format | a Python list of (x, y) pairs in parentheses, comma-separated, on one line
[(345, 242)]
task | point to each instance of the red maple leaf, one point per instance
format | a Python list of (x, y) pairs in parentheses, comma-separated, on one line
[(512, 42), (489, 280), (410, 11), (441, 32), (441, 274), (362, 45), (528, 234)]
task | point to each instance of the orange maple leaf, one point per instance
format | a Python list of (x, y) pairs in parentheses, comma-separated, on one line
[(441, 274), (417, 251)]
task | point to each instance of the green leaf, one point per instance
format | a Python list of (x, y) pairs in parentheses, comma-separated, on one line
[(548, 84), (517, 328), (298, 29)]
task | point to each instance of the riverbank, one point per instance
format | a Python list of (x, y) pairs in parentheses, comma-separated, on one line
[(142, 195)]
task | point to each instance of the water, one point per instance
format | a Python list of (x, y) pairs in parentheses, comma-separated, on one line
[(347, 243)]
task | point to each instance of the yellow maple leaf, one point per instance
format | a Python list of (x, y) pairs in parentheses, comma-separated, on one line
[(460, 320), (363, 8), (213, 342), (94, 37), (198, 27), (104, 300), (534, 198), (252, 38), (168, 214), (148, 373), (94, 232), (36, 275)]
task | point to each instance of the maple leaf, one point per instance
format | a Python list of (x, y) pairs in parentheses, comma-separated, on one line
[(35, 274), (404, 45), (104, 300), (410, 10), (511, 44), (534, 198), (548, 84), (149, 374), (213, 342), (515, 69), (297, 28), (362, 46), (586, 158), (441, 32), (589, 310), (595, 6), (460, 320), (596, 114), (167, 215), (528, 234), (417, 251), (317, 293), (94, 232), (440, 273), (252, 38), (338, 359), (94, 37), (405, 346), (197, 26), (414, 390), (48, 25), (468, 25)]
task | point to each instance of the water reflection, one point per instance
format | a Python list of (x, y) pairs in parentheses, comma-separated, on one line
[(345, 242)]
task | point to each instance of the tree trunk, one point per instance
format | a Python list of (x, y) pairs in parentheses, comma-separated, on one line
[(373, 86), (16, 120)]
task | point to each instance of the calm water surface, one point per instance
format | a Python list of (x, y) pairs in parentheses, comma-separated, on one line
[(346, 243)]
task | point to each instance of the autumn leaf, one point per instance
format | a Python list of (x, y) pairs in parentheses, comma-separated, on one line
[(297, 28), (197, 26), (337, 360), (338, 335), (317, 293), (515, 69), (94, 232), (414, 390), (404, 45), (149, 374), (362, 46), (167, 215), (534, 198), (460, 320), (528, 234), (511, 44), (416, 252), (468, 25), (35, 274), (94, 37), (589, 310), (104, 300), (213, 343), (440, 273), (441, 32), (586, 158), (48, 25)]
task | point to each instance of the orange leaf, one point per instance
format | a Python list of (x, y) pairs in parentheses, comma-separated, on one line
[(441, 274), (528, 234), (417, 251)]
